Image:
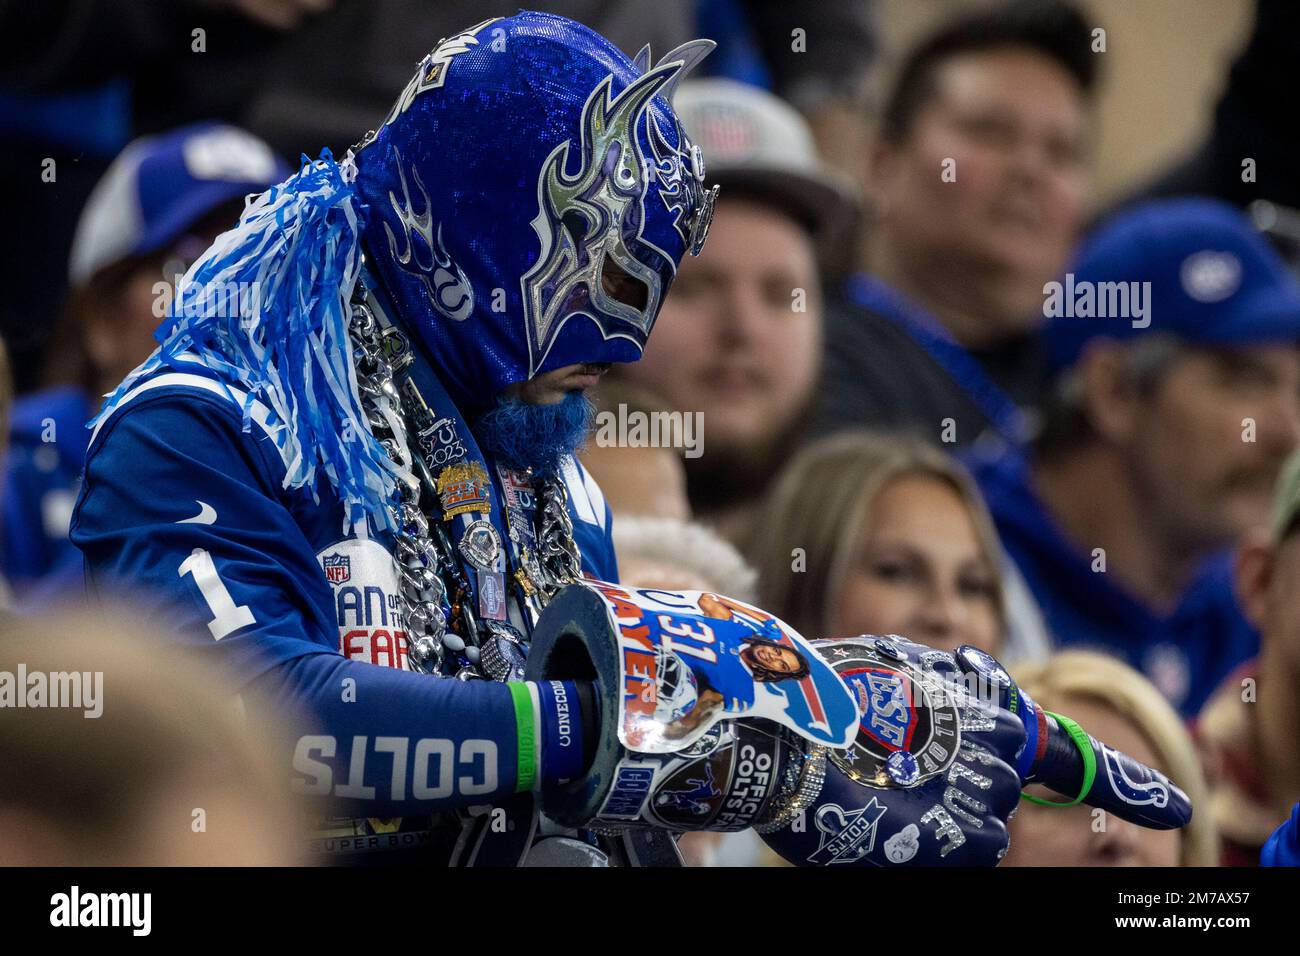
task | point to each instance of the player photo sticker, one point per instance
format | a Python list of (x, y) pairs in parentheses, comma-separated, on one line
[(907, 732), (693, 658)]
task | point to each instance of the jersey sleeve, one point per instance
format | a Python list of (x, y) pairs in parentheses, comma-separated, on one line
[(181, 520), (179, 513)]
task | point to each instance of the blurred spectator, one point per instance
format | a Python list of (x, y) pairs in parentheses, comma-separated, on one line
[(864, 534), (739, 337), (150, 763), (1114, 703), (636, 477), (162, 202), (679, 556), (1175, 400), (78, 78), (1248, 729), (978, 182)]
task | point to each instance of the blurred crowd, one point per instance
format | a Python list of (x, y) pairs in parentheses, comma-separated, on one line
[(944, 389)]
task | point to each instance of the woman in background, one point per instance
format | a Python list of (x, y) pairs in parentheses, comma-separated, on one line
[(866, 534)]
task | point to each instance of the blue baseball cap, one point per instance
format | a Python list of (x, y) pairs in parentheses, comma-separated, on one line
[(160, 186), (1191, 267)]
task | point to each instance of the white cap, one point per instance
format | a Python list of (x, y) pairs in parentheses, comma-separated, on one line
[(759, 143), (160, 186)]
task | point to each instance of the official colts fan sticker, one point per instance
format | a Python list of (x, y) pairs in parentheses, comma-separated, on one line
[(907, 733)]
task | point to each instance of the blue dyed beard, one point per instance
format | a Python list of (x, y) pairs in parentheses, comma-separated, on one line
[(519, 435)]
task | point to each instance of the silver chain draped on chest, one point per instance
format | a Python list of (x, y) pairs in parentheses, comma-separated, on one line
[(423, 553)]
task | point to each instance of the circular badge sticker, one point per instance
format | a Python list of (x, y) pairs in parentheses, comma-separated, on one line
[(906, 733), (481, 545)]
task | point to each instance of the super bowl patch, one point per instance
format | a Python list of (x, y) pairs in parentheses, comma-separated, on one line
[(462, 488), (909, 730)]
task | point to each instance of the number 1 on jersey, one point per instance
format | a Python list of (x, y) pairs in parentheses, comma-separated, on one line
[(227, 617)]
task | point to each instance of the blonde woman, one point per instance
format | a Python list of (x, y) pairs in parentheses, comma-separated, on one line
[(1115, 703), (867, 534)]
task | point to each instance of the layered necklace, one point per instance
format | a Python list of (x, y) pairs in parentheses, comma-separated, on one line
[(446, 636)]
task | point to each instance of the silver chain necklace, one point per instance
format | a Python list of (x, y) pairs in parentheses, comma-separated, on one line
[(560, 562), (419, 565), (425, 557)]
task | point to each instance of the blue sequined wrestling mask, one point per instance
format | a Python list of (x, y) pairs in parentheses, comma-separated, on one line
[(528, 199)]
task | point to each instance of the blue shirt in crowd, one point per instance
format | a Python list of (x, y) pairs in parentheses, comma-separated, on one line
[(1186, 653), (42, 474)]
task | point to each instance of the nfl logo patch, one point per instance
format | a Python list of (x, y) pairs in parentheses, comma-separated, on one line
[(338, 568)]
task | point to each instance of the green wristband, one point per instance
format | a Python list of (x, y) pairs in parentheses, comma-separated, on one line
[(526, 736), (1081, 741)]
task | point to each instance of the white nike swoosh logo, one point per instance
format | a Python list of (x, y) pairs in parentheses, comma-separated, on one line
[(207, 514)]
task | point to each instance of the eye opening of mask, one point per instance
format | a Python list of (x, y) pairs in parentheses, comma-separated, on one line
[(576, 224), (622, 286)]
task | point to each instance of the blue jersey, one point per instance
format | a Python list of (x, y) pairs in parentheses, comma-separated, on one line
[(1186, 653), (1283, 847), (188, 512), (42, 471)]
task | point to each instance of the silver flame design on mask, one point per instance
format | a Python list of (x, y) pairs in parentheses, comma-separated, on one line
[(591, 216), (448, 288)]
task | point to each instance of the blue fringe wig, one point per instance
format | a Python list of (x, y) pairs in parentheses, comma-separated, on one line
[(289, 267)]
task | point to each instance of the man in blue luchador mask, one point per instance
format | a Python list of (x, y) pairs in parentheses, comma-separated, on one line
[(346, 478)]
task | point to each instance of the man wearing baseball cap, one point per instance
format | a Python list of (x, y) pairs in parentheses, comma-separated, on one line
[(1175, 398), (740, 338), (162, 201), (1247, 730)]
